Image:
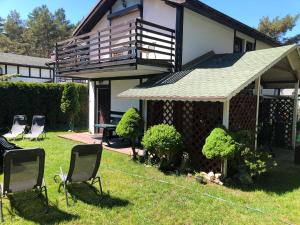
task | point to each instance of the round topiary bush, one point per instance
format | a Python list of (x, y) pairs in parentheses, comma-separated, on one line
[(130, 127), (163, 141), (220, 144)]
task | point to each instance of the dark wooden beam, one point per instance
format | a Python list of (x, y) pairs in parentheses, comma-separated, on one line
[(179, 38), (234, 37)]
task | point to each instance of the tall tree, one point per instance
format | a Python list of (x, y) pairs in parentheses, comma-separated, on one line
[(14, 26), (278, 27), (9, 46), (63, 26), (41, 31)]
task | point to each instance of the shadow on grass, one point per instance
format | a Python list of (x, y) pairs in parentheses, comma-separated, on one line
[(90, 195), (282, 179), (31, 208)]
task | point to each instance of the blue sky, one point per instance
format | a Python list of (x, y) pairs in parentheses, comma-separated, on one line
[(248, 12)]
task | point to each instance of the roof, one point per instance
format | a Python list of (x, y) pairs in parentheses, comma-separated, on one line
[(103, 6), (93, 17), (217, 79), (23, 60)]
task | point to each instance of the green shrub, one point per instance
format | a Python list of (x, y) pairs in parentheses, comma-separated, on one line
[(249, 163), (220, 144), (163, 141), (130, 127), (39, 98), (70, 105)]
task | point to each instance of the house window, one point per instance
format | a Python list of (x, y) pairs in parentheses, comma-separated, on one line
[(249, 46), (238, 45), (124, 3)]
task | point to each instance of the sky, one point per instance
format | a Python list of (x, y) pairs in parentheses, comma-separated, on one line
[(248, 12)]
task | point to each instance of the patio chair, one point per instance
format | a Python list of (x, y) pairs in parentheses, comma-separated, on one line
[(37, 128), (23, 171), (18, 127), (84, 165)]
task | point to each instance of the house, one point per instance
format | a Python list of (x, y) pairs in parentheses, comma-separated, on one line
[(28, 68), (1, 25), (182, 63)]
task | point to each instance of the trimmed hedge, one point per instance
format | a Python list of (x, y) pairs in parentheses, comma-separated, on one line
[(39, 98)]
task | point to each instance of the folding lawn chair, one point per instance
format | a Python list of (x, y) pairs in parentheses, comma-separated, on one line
[(84, 165), (37, 128), (23, 171), (18, 127)]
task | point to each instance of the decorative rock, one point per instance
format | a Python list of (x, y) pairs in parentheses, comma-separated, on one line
[(211, 176), (218, 175)]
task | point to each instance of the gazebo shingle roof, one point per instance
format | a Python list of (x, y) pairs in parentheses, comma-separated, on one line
[(217, 79)]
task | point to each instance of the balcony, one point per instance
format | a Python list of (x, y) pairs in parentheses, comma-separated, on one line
[(134, 48)]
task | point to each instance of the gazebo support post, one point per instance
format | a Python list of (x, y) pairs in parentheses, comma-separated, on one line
[(144, 113), (295, 115), (226, 108), (257, 93)]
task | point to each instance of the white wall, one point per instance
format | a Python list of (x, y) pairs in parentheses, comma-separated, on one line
[(261, 45), (156, 11), (24, 72), (92, 107), (201, 35), (11, 70), (118, 86), (103, 23), (46, 73), (27, 79), (35, 72)]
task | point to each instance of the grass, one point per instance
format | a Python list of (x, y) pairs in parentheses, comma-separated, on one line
[(151, 197)]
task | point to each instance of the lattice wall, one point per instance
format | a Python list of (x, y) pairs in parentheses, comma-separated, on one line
[(278, 112), (242, 115), (194, 120)]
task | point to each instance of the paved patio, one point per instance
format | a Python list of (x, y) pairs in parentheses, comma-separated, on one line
[(116, 145)]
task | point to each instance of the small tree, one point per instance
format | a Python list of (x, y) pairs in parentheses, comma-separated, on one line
[(70, 105), (220, 144), (164, 142), (129, 127)]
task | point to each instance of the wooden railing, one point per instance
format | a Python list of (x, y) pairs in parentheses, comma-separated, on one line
[(121, 44)]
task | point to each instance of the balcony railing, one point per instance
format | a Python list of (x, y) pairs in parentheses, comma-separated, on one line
[(130, 43)]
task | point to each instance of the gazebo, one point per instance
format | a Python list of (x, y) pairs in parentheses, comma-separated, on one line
[(239, 91)]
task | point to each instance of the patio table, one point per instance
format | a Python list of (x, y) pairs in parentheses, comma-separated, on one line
[(107, 130)]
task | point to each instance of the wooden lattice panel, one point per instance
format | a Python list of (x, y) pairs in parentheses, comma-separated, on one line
[(242, 115), (194, 120), (279, 113)]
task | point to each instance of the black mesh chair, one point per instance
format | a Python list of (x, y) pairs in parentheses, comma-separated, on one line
[(23, 171), (18, 127), (37, 128), (84, 165)]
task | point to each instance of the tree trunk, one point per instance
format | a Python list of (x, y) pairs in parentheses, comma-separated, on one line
[(133, 149)]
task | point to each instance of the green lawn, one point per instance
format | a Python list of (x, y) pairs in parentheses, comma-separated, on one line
[(151, 197)]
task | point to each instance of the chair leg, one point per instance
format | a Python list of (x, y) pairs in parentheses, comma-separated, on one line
[(66, 193), (46, 198), (100, 185), (1, 209)]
